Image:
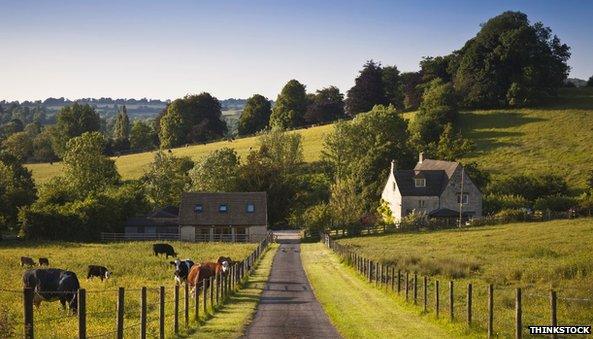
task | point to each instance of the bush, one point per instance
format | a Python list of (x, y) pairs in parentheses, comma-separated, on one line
[(512, 215), (413, 221), (530, 187), (555, 203), (494, 203)]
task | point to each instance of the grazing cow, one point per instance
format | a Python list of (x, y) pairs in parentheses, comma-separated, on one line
[(43, 262), (165, 249), (203, 271), (98, 271), (26, 261), (182, 268), (51, 284)]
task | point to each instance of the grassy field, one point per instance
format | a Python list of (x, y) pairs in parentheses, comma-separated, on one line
[(534, 256), (231, 319), (133, 267), (360, 311), (556, 138)]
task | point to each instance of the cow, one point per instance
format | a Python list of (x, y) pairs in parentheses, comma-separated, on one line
[(98, 271), (203, 271), (43, 262), (182, 268), (165, 249), (26, 261), (51, 284)]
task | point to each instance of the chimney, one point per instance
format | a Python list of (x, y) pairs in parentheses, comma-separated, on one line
[(420, 157), (392, 166)]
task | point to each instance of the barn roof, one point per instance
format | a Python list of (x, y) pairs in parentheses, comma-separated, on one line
[(209, 214)]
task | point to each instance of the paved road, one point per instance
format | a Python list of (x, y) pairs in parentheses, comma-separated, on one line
[(288, 308)]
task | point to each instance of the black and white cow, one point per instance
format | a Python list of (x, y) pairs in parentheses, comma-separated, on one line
[(182, 268), (98, 271), (51, 284)]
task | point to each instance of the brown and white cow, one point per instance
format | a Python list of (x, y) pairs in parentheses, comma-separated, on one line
[(203, 271)]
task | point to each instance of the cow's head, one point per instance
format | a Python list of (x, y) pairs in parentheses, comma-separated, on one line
[(107, 274), (181, 269)]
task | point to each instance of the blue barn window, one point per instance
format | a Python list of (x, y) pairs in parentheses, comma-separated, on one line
[(223, 208), (250, 208), (198, 208)]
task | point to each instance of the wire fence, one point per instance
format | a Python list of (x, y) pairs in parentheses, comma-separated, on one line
[(498, 311), (155, 311)]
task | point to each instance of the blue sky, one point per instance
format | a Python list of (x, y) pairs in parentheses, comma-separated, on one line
[(166, 49)]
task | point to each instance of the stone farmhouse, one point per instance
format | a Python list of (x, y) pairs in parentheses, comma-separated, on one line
[(440, 189)]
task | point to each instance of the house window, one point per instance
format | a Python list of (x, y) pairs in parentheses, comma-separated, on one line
[(462, 198), (394, 186), (420, 182), (421, 203), (250, 208), (198, 208), (223, 208)]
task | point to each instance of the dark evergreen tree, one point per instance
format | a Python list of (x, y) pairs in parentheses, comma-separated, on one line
[(368, 90), (255, 116), (326, 105), (290, 106)]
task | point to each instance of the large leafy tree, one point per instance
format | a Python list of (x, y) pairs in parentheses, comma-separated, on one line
[(511, 61), (19, 144), (326, 105), (217, 172), (393, 87), (194, 118), (87, 171), (141, 136), (17, 190), (255, 116), (412, 92), (121, 130), (73, 121), (363, 148), (368, 90), (166, 179), (290, 106)]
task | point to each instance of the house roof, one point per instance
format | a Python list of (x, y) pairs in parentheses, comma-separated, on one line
[(439, 165), (166, 212), (148, 221), (407, 186), (236, 213)]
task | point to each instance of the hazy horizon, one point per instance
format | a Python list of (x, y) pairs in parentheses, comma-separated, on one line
[(166, 50)]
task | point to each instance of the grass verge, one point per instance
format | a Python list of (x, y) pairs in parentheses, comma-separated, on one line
[(230, 320), (359, 310)]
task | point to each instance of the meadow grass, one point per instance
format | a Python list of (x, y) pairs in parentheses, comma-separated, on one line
[(358, 310), (534, 256), (133, 266), (232, 318), (553, 139)]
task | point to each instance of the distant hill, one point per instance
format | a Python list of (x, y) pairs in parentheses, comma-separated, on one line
[(577, 82), (555, 138)]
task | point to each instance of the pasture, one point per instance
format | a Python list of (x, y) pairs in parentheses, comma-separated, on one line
[(533, 256), (133, 266)]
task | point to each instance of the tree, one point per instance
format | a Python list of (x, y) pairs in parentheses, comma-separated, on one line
[(411, 89), (393, 87), (72, 121), (42, 146), (509, 50), (121, 130), (316, 219), (290, 106), (217, 172), (17, 190), (368, 90), (438, 108), (326, 105), (194, 118), (362, 150), (19, 144), (255, 116), (437, 68), (166, 179), (86, 170), (590, 82), (346, 204), (141, 136), (282, 150), (452, 147)]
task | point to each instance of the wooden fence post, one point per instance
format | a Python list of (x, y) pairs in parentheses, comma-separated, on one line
[(490, 310), (392, 278), (436, 298), (553, 311), (143, 313), (28, 312), (518, 315), (120, 313), (451, 301), (162, 312), (204, 297), (217, 288), (197, 304), (415, 288), (82, 313), (469, 304), (425, 290), (176, 309), (211, 284), (406, 284), (399, 281), (186, 304)]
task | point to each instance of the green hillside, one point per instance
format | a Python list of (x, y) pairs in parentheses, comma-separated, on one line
[(556, 138)]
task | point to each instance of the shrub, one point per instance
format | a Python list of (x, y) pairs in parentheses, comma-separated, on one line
[(413, 221), (530, 187), (554, 203), (511, 215), (494, 203)]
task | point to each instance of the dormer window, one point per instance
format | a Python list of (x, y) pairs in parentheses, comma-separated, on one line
[(420, 182), (250, 208), (198, 208), (223, 208), (462, 198)]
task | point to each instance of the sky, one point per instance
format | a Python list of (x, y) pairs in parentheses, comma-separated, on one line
[(234, 49)]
